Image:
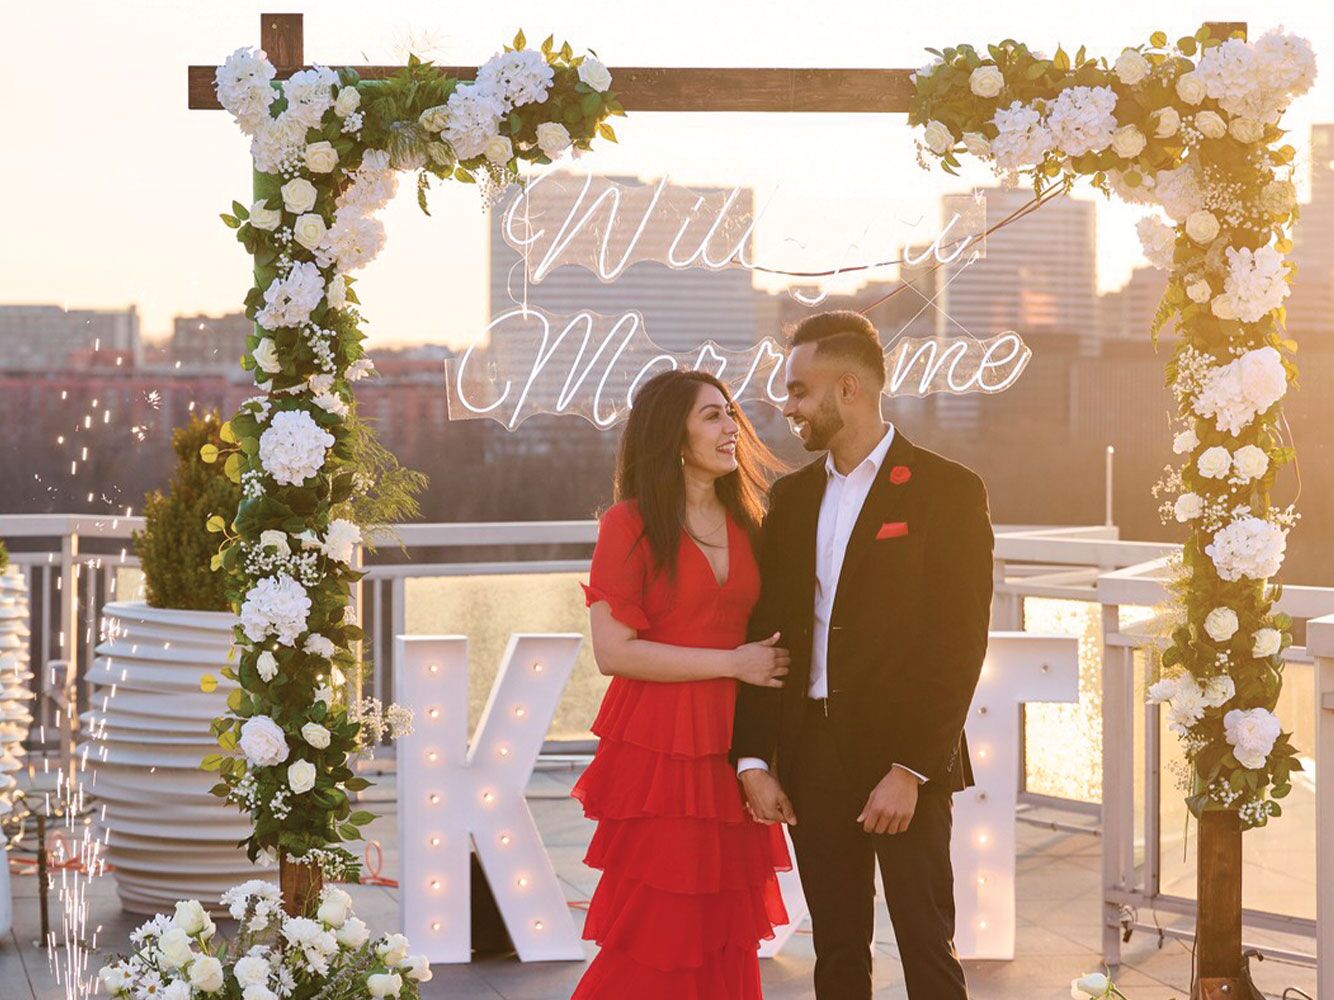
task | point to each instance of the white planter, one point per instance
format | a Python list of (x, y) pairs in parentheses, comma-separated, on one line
[(146, 731), (15, 680)]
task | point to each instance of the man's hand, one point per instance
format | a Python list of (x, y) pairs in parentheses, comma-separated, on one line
[(765, 797), (891, 805)]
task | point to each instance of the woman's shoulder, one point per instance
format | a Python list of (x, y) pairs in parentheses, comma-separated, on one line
[(624, 513)]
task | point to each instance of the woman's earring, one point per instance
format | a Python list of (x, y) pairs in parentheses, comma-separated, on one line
[(683, 461)]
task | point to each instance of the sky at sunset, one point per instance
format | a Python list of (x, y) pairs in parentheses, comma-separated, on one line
[(115, 187)]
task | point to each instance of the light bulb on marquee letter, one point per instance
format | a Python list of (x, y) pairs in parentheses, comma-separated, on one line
[(484, 786)]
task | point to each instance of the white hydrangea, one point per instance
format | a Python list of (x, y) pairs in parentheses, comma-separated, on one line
[(1255, 283), (1081, 119), (1158, 240), (1179, 192), (319, 645), (276, 605), (1023, 139), (293, 446), (352, 242), (1234, 393), (309, 94), (289, 300), (244, 88), (1252, 734), (517, 78), (341, 540), (277, 142), (1257, 81), (1185, 442), (371, 186), (1248, 547), (1188, 506), (474, 117)]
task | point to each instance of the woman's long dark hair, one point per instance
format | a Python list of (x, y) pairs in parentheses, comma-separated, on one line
[(649, 468)]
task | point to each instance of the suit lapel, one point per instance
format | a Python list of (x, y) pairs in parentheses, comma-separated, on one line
[(806, 521), (886, 501)]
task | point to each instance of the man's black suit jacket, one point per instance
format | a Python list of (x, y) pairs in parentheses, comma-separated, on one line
[(909, 625)]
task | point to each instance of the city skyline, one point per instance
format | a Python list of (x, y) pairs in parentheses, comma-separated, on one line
[(839, 172)]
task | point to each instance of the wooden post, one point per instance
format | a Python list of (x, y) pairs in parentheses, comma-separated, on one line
[(300, 884), (1218, 875)]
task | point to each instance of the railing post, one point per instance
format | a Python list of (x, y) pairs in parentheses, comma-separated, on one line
[(1320, 644), (1118, 779)]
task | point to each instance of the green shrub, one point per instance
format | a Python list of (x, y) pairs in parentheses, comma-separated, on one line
[(4, 557), (175, 547)]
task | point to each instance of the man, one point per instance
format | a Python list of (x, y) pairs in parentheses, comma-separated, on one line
[(876, 567)]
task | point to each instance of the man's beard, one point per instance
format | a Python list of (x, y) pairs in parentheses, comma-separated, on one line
[(823, 426)]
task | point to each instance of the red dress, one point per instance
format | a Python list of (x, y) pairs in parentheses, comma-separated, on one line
[(688, 886)]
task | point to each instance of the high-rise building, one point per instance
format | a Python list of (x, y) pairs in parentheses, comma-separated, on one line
[(682, 308), (1311, 306), (209, 341), (1127, 313), (45, 336), (1038, 275)]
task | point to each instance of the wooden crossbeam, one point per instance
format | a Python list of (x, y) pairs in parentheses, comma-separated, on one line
[(653, 88)]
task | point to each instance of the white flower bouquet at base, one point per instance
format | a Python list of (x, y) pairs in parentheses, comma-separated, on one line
[(329, 955)]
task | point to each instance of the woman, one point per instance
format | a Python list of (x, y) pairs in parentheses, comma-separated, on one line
[(688, 886)]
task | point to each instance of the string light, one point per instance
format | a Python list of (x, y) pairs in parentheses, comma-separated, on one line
[(520, 712)]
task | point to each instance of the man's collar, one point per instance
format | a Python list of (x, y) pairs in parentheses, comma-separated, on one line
[(876, 457)]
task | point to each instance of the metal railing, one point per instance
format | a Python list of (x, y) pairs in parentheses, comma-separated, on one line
[(72, 563)]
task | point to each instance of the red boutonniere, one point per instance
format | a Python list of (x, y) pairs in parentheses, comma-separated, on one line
[(900, 474)]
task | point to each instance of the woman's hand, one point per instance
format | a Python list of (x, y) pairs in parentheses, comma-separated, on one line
[(763, 663)]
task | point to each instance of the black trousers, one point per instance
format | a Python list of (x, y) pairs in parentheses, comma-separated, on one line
[(837, 861)]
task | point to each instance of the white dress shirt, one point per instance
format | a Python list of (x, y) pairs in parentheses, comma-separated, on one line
[(839, 509)]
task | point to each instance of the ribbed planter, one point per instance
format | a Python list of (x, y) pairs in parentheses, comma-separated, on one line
[(15, 681), (148, 726)]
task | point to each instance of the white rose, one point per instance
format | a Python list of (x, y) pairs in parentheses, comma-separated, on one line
[(353, 933), (263, 217), (315, 734), (266, 356), (977, 145), (384, 984), (336, 294), (277, 539), (596, 75), (418, 968), (298, 195), (309, 230), (258, 991), (434, 119), (1246, 130), (1214, 462), (1131, 67), (174, 948), (1221, 624), (206, 974), (191, 918), (251, 969), (553, 138), (1185, 442), (263, 741), (1202, 226), (1211, 124), (1278, 197), (178, 989), (1222, 307), (986, 81), (498, 150), (321, 157), (301, 777), (1250, 462), (1128, 142), (349, 99), (1166, 123), (1190, 88), (1199, 291), (1218, 691), (1267, 642), (335, 908), (393, 949), (1188, 507), (1094, 984), (267, 665), (937, 137)]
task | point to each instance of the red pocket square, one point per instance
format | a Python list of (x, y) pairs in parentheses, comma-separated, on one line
[(892, 529)]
